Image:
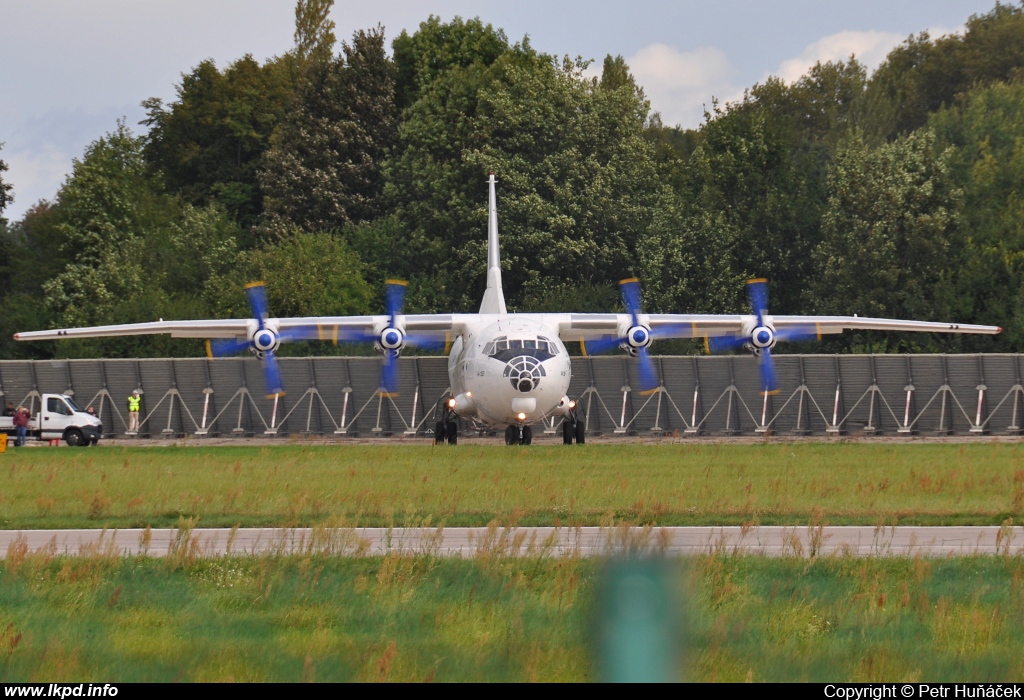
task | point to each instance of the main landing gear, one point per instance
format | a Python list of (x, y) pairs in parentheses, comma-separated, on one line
[(447, 428), (518, 434), (574, 426)]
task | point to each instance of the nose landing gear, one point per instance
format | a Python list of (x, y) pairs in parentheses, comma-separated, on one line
[(574, 426), (447, 427), (518, 435)]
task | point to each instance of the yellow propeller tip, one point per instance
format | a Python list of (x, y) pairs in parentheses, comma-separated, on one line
[(757, 279), (401, 282), (628, 280), (255, 284)]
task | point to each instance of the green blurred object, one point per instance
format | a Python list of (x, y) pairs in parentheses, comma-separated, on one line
[(638, 623)]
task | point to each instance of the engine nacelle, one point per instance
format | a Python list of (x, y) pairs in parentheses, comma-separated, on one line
[(463, 405), (564, 407)]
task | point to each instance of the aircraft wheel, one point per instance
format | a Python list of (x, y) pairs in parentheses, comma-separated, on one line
[(527, 435), (581, 433), (439, 432), (453, 433), (512, 435), (567, 432)]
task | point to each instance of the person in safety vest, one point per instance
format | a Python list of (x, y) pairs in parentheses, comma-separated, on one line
[(134, 404)]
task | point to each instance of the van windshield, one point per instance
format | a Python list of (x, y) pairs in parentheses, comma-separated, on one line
[(71, 402)]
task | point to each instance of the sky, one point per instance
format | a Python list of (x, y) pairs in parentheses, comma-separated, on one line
[(72, 68)]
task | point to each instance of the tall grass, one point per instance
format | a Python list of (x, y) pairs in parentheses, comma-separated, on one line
[(681, 484), (497, 617)]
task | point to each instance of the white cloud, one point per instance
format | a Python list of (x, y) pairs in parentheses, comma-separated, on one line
[(680, 84), (869, 47)]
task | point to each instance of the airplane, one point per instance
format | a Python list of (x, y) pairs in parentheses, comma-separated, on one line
[(509, 370)]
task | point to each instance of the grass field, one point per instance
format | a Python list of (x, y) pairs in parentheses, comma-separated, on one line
[(493, 617), (664, 484)]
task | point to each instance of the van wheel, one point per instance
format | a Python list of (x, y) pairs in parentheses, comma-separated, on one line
[(74, 438)]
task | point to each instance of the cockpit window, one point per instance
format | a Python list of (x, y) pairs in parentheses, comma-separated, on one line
[(502, 349)]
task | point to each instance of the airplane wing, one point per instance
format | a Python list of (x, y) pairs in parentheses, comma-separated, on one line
[(591, 326), (825, 325), (309, 328)]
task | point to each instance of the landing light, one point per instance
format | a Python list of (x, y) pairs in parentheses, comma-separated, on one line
[(521, 416), (451, 403), (572, 404)]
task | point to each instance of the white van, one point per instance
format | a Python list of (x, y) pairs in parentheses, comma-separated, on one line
[(59, 419)]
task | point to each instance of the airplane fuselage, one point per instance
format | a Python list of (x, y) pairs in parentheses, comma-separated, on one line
[(513, 369)]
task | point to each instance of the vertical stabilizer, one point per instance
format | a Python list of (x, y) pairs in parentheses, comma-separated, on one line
[(494, 297)]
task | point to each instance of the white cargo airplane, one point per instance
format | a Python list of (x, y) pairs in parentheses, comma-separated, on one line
[(509, 370)]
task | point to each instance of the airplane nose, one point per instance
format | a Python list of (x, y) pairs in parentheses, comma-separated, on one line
[(524, 373)]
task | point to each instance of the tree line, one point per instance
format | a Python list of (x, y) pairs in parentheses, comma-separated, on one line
[(330, 168)]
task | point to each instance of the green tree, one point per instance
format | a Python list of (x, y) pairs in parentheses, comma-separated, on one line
[(888, 231), (6, 190), (577, 179), (310, 275), (324, 170), (314, 30), (985, 132), (210, 143), (103, 211), (922, 75), (436, 47)]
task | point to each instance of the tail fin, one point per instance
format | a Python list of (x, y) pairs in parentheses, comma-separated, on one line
[(494, 297)]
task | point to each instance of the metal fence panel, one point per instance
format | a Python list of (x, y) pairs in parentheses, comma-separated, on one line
[(856, 394)]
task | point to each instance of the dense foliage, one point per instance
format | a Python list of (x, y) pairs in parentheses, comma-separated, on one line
[(335, 166)]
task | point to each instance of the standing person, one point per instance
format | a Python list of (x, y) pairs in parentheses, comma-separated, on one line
[(21, 426), (134, 404), (9, 411)]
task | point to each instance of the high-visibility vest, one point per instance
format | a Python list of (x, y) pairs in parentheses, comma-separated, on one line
[(133, 403)]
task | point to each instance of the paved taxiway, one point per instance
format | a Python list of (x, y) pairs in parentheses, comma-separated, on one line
[(526, 541)]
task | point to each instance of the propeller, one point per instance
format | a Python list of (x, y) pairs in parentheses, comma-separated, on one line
[(264, 341), (638, 337), (392, 339), (763, 336)]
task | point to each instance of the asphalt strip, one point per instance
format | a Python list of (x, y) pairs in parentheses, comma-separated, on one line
[(469, 542)]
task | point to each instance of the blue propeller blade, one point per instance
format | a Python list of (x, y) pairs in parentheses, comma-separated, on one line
[(257, 293), (630, 289), (724, 343), (648, 374), (223, 347), (272, 375), (389, 372), (769, 381), (603, 344), (757, 290), (394, 299)]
